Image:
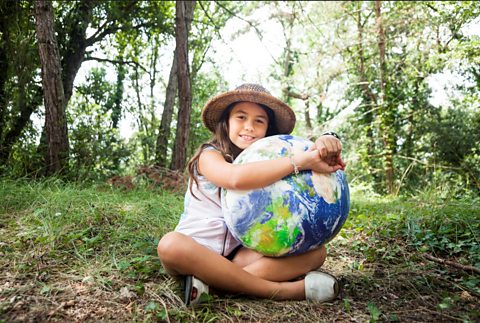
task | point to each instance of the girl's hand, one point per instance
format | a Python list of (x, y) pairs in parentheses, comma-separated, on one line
[(330, 150), (311, 160)]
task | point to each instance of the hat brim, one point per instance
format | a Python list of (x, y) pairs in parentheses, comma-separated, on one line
[(284, 115)]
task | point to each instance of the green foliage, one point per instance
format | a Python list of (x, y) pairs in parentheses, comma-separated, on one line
[(393, 228), (20, 91), (374, 312), (129, 23), (427, 138), (25, 158), (98, 151), (455, 134)]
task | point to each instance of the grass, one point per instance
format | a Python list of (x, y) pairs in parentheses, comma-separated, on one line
[(88, 254)]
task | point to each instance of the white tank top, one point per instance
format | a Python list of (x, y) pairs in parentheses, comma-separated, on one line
[(202, 218)]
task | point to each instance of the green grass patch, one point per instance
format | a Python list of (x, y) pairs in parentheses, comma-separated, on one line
[(118, 231), (89, 253), (391, 226)]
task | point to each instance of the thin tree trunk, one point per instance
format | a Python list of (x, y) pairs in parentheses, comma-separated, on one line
[(184, 16), (368, 116), (367, 110), (287, 69), (153, 78), (386, 116), (308, 120), (409, 145), (319, 118), (54, 97), (3, 75), (141, 120), (8, 14), (116, 112), (381, 48), (361, 67), (164, 131)]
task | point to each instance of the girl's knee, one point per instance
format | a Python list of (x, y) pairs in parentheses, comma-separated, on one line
[(321, 255), (316, 257), (322, 251), (170, 246)]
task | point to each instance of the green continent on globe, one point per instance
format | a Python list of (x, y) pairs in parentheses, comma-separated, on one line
[(277, 234)]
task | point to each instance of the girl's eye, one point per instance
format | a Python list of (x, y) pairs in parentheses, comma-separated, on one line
[(260, 121)]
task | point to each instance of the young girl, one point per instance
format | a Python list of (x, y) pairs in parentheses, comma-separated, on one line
[(201, 250)]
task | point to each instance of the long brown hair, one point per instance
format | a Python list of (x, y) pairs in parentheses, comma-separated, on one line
[(221, 141)]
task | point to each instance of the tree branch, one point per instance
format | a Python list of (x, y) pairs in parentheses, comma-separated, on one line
[(99, 34), (452, 263), (196, 68), (257, 31), (296, 95), (426, 163), (111, 30), (115, 61), (217, 29)]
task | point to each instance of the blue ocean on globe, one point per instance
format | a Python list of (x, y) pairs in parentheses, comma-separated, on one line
[(291, 216)]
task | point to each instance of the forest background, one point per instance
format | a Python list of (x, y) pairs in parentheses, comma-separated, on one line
[(104, 97)]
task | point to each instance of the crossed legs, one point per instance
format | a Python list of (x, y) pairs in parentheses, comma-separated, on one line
[(249, 273)]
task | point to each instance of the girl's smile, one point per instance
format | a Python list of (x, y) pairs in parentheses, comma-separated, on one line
[(248, 122)]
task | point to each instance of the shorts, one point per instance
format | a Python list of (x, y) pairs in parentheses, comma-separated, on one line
[(232, 254)]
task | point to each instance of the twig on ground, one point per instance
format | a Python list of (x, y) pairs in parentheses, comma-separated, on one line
[(452, 318), (451, 263)]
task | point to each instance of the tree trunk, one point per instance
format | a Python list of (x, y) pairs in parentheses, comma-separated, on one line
[(54, 97), (164, 131), (287, 22), (117, 102), (184, 16), (141, 120), (370, 98), (368, 109), (153, 78), (361, 67), (386, 114), (3, 75), (308, 120), (5, 46), (409, 143), (287, 69)]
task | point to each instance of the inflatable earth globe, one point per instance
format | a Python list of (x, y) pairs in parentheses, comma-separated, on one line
[(296, 214)]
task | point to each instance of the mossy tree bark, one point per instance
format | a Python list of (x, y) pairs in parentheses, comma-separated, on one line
[(53, 92), (184, 16)]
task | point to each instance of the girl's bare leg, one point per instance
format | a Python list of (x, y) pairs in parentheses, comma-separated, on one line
[(181, 255), (280, 269)]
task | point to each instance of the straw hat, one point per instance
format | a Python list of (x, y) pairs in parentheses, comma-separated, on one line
[(284, 115)]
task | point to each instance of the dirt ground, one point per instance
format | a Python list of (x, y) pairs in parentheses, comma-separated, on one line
[(411, 289)]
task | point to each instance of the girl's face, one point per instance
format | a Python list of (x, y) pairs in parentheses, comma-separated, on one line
[(247, 123)]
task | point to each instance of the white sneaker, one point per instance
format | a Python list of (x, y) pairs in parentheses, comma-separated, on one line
[(189, 284), (320, 286)]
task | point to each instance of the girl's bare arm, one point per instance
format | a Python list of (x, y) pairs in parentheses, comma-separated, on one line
[(257, 174)]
